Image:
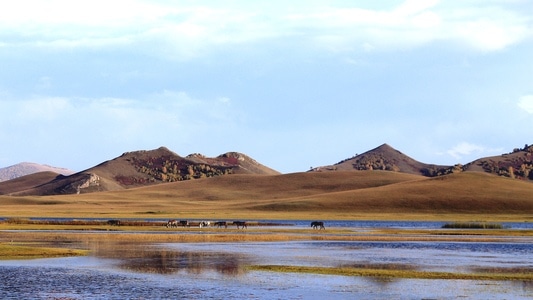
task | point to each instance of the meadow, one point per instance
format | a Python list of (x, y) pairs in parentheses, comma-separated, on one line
[(465, 198), (468, 196)]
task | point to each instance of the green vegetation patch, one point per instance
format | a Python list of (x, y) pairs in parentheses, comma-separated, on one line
[(473, 225), (17, 251), (385, 272)]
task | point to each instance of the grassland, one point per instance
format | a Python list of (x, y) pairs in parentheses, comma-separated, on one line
[(464, 198), (315, 195)]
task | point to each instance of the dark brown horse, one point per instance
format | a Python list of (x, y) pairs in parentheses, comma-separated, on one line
[(317, 225), (220, 224), (241, 224), (113, 222)]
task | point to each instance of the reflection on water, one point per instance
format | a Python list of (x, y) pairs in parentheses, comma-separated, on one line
[(217, 271), (157, 260)]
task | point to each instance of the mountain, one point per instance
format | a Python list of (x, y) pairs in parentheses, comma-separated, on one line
[(343, 194), (27, 168), (26, 182), (517, 164), (136, 169), (387, 158), (153, 167)]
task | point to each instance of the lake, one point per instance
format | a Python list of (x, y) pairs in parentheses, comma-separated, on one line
[(218, 270)]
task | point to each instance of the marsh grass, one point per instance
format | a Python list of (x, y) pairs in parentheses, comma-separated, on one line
[(81, 234), (394, 272), (28, 251), (167, 235), (473, 225), (74, 222)]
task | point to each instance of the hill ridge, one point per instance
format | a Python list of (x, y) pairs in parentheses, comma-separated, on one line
[(151, 167), (27, 168), (140, 168), (387, 158)]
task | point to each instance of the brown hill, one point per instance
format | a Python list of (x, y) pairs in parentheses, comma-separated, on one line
[(517, 164), (387, 158), (467, 192), (141, 168), (27, 182), (341, 193), (349, 194), (27, 168)]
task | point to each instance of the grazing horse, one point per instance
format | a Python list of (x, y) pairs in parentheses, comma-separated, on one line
[(172, 223), (184, 223), (241, 224), (220, 224), (113, 222), (204, 224), (317, 225)]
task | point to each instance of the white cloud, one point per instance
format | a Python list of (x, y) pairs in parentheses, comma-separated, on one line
[(44, 83), (40, 109), (188, 29), (413, 7), (465, 149), (94, 12), (165, 110), (526, 103), (224, 100)]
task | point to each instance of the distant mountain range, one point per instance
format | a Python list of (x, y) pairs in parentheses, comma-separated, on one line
[(146, 168), (26, 168)]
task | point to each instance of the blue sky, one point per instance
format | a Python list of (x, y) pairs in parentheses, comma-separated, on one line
[(293, 84)]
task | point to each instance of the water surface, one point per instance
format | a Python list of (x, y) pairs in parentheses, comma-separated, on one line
[(217, 271)]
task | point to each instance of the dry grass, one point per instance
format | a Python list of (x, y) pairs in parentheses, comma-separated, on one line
[(329, 195), (75, 234), (393, 272), (27, 251)]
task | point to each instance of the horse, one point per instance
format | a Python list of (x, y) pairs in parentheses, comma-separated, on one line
[(113, 222), (241, 224), (219, 224), (317, 225), (204, 224), (184, 223), (172, 223)]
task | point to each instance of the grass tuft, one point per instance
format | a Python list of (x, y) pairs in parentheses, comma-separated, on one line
[(473, 225), (20, 251), (394, 272)]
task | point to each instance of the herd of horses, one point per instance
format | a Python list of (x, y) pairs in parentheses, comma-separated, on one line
[(219, 224)]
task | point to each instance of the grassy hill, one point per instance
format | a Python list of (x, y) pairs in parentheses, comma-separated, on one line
[(159, 166), (136, 169), (26, 182), (387, 158), (517, 164), (160, 183), (327, 194)]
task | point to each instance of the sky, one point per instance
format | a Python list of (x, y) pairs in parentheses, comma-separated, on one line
[(292, 84)]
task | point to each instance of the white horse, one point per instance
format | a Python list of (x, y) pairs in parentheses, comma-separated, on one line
[(172, 223)]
